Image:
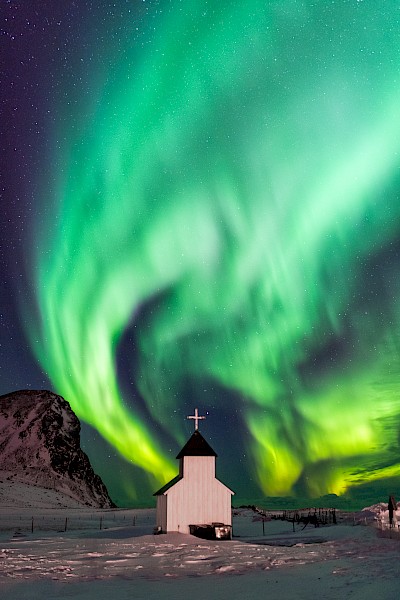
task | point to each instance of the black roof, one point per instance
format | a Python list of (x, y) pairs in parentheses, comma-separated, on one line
[(196, 446), (168, 485)]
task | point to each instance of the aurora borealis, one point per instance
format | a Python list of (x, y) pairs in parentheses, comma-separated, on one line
[(216, 223)]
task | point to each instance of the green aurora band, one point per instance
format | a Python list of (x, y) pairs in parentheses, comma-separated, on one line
[(238, 172)]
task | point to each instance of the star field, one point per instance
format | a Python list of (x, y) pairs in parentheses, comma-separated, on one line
[(201, 208)]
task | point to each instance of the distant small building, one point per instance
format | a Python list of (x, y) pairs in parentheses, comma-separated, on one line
[(195, 496)]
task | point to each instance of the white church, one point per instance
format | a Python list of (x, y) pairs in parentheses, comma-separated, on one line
[(195, 498)]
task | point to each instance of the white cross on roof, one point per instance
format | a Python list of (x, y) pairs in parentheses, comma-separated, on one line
[(196, 418)]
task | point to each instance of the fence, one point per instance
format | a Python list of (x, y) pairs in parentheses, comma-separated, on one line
[(315, 516), (25, 521)]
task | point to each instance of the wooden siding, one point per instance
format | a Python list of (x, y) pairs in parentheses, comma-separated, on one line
[(161, 513), (197, 498), (199, 468)]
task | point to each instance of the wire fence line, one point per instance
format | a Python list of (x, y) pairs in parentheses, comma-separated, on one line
[(70, 520)]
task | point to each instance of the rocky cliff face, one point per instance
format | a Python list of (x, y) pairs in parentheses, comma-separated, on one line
[(40, 444)]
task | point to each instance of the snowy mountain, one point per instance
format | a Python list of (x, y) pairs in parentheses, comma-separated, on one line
[(40, 445)]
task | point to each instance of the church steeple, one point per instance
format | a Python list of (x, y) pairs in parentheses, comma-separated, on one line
[(196, 446)]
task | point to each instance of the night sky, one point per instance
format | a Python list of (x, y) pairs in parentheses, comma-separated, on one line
[(200, 206)]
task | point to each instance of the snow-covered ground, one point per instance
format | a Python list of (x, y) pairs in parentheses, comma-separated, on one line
[(79, 553)]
